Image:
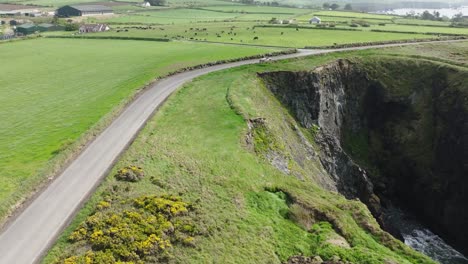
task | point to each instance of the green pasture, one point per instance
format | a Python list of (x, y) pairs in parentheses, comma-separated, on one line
[(337, 19), (258, 9), (54, 90), (244, 33), (172, 3), (421, 22), (55, 3), (171, 16), (184, 16), (353, 15), (418, 29)]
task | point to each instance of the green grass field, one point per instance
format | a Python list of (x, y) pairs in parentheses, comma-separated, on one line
[(352, 15), (336, 19), (208, 14), (172, 3), (55, 3), (54, 90), (418, 29), (240, 216), (171, 16), (421, 22), (258, 9), (243, 33)]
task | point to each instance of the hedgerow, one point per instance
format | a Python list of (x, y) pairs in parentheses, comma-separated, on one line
[(144, 232)]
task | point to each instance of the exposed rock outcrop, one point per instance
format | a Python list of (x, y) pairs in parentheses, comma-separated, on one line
[(404, 122)]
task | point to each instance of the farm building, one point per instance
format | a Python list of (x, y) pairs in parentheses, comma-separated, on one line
[(145, 4), (83, 10), (31, 28), (315, 20), (27, 29), (90, 28), (49, 27)]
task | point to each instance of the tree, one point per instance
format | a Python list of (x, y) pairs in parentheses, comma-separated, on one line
[(326, 6), (72, 27), (157, 2), (458, 18), (426, 15), (55, 20), (334, 6), (273, 20), (348, 7)]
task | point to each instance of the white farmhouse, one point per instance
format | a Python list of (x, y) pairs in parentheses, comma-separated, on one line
[(315, 20)]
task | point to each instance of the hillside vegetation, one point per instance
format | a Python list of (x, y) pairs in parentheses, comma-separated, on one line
[(211, 144)]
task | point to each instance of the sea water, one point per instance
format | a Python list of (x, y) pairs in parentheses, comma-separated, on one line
[(448, 12), (422, 239)]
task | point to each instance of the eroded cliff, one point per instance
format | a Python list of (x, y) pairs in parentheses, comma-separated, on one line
[(391, 131)]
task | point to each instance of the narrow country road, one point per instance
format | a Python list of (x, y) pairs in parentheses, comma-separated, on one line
[(27, 238)]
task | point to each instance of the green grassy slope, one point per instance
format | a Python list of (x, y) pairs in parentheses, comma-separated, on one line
[(246, 211), (53, 90)]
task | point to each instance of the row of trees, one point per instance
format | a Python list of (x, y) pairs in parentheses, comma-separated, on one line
[(157, 2), (335, 6), (426, 15), (435, 16)]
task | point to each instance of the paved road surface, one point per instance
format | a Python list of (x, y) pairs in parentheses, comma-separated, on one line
[(27, 238)]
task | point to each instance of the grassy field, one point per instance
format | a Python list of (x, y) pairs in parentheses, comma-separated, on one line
[(208, 14), (54, 90), (335, 19), (455, 53), (172, 3), (173, 16), (353, 15), (244, 33), (258, 9), (421, 22), (418, 29), (242, 203), (55, 3)]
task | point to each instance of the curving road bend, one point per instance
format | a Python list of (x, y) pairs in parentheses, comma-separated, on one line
[(27, 238)]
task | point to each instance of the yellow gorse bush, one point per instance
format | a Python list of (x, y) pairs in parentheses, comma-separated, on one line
[(130, 173), (147, 230)]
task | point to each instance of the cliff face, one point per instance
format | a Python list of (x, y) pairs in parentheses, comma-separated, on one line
[(390, 131)]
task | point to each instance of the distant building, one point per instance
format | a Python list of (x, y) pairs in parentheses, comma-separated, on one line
[(26, 29), (31, 28), (91, 28), (315, 20), (83, 10), (145, 4), (49, 27)]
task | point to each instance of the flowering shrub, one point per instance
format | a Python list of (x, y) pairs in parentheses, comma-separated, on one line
[(145, 231), (130, 173)]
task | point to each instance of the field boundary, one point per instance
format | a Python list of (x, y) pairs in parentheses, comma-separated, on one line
[(366, 44), (305, 27), (111, 37), (414, 32), (373, 18)]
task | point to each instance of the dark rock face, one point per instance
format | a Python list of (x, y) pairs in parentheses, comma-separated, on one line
[(405, 122)]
